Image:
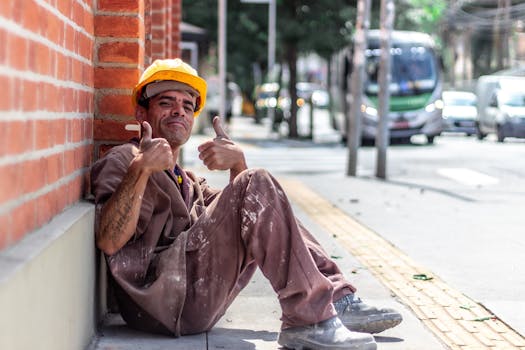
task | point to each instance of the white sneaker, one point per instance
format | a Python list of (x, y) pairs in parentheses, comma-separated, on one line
[(326, 335), (360, 317)]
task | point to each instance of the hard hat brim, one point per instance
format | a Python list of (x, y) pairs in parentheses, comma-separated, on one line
[(194, 81)]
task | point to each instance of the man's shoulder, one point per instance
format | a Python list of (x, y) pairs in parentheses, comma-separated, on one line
[(117, 157), (123, 151)]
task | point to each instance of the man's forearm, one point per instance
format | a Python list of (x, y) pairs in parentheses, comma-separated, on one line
[(119, 216), (238, 169)]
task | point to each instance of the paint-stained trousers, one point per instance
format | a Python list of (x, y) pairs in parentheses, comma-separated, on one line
[(251, 224)]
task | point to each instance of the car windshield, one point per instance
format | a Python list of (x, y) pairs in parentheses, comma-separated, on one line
[(458, 100), (513, 99), (267, 90), (305, 89)]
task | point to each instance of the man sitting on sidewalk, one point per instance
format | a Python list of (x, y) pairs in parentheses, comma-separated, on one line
[(179, 251)]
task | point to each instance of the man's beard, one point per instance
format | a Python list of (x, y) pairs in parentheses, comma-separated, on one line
[(175, 137)]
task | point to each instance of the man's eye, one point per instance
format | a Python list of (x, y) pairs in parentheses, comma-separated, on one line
[(164, 104)]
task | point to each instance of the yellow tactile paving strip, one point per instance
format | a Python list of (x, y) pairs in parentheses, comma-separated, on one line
[(458, 321)]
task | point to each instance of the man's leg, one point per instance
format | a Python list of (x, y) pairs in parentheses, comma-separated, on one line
[(327, 266), (355, 314), (252, 222)]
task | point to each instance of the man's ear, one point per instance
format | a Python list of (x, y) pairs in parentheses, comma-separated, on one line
[(140, 114)]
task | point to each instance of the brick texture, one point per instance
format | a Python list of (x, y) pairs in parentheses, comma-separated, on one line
[(68, 76)]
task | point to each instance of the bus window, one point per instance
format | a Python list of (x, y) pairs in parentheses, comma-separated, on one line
[(413, 71)]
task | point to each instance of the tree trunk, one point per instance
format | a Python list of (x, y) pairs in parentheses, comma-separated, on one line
[(356, 84), (383, 133)]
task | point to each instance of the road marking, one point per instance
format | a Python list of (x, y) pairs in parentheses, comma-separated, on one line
[(457, 320), (467, 176)]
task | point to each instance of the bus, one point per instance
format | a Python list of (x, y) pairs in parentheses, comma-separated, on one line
[(415, 87)]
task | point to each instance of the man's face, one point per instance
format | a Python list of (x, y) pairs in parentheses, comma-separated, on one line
[(171, 115)]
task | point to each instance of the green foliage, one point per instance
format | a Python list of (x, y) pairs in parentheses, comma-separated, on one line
[(420, 15), (319, 26), (322, 26), (303, 26), (247, 34)]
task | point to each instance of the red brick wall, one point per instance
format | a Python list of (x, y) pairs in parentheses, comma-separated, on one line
[(129, 35), (165, 33), (46, 111), (176, 18), (119, 60), (67, 67)]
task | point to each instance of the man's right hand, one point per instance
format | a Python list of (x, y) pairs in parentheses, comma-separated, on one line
[(154, 154)]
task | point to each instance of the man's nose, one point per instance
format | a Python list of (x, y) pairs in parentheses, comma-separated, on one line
[(177, 109)]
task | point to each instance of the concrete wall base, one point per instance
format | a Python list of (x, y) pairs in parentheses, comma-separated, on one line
[(48, 286)]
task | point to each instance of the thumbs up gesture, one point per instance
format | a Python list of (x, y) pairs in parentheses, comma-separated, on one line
[(155, 154), (219, 130), (222, 153)]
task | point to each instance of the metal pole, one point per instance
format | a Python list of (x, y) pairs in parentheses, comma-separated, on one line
[(356, 84), (383, 135), (222, 58), (271, 55), (272, 8), (311, 115)]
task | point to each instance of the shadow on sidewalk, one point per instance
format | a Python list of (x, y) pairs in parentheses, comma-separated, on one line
[(240, 339)]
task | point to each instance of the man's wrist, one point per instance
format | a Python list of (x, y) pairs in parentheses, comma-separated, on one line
[(239, 168), (137, 166)]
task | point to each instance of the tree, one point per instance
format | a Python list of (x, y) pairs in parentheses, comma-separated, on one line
[(303, 26), (247, 31)]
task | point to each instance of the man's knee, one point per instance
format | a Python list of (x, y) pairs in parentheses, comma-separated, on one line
[(257, 176), (257, 173)]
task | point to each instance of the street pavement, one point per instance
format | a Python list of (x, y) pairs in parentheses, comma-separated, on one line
[(436, 316)]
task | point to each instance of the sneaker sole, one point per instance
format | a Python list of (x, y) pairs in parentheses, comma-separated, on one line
[(373, 326), (369, 346), (307, 345)]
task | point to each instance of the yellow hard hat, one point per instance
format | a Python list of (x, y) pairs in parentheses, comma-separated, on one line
[(175, 70)]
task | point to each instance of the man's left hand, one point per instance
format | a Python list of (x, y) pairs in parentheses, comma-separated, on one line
[(222, 153)]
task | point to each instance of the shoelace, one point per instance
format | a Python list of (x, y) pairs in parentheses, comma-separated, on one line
[(346, 301)]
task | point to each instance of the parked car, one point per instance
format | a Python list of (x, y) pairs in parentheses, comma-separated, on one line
[(265, 97), (316, 92), (501, 107), (459, 112)]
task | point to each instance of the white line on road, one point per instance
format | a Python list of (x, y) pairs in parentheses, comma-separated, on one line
[(467, 176)]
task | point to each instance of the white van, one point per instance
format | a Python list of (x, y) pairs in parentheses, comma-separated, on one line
[(501, 106)]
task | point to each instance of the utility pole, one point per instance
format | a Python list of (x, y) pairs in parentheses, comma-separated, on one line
[(271, 55), (506, 36), (356, 84), (501, 36), (272, 14), (383, 135), (222, 57)]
